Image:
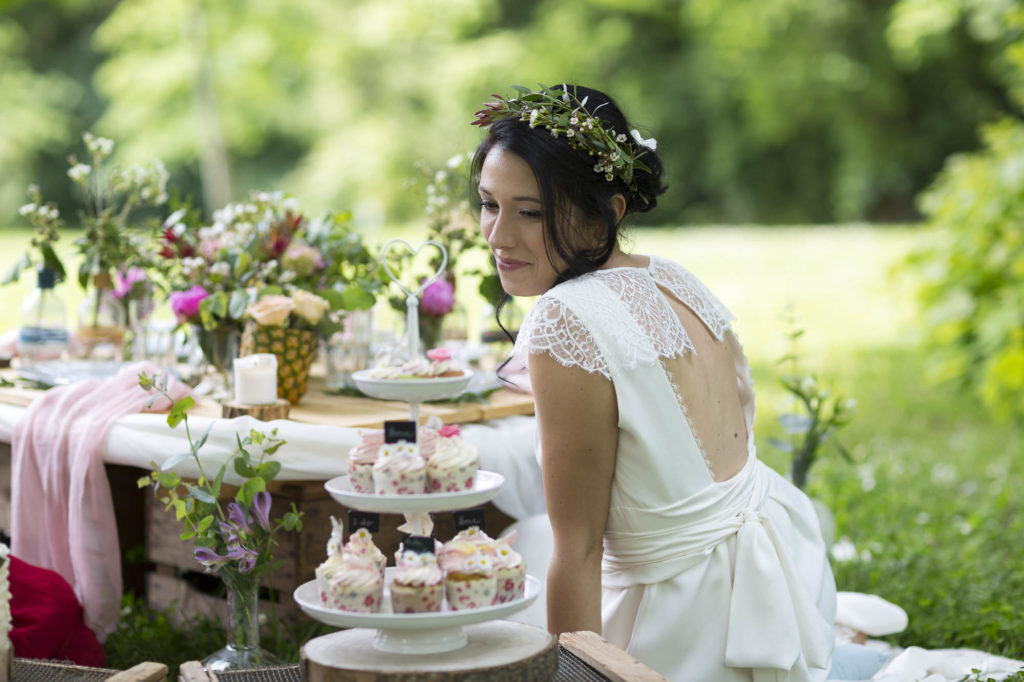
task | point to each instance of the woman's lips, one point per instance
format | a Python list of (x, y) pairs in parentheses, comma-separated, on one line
[(509, 264)]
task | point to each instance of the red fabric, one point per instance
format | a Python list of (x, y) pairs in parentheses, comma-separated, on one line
[(47, 618)]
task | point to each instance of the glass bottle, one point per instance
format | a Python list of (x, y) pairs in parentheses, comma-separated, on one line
[(44, 332)]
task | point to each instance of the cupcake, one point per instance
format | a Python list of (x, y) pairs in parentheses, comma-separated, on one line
[(355, 585), (469, 580), (418, 583), (361, 459), (509, 570), (360, 544), (399, 470), (453, 465), (325, 571)]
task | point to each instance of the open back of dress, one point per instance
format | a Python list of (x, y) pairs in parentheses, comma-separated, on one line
[(714, 567)]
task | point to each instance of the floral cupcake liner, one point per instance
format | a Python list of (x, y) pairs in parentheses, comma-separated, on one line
[(416, 598), (469, 593)]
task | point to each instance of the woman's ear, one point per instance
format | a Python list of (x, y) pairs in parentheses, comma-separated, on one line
[(618, 204)]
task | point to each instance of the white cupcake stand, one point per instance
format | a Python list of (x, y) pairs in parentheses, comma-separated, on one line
[(446, 645)]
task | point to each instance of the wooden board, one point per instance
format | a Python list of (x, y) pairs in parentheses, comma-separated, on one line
[(606, 658), (320, 407)]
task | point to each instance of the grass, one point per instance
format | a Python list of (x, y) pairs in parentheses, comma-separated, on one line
[(928, 503)]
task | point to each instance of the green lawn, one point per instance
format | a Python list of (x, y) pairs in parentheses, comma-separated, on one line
[(928, 503)]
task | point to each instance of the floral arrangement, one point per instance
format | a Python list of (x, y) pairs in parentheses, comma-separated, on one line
[(45, 217), (816, 419), (236, 539), (112, 197), (561, 113), (266, 247)]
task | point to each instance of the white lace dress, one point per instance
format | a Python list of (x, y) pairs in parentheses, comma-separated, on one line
[(702, 580)]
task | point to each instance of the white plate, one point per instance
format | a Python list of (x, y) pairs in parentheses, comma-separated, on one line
[(307, 596), (411, 390), (485, 487)]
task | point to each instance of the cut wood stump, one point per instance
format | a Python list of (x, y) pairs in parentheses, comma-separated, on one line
[(497, 651), (277, 410)]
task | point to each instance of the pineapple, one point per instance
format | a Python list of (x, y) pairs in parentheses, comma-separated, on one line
[(295, 350)]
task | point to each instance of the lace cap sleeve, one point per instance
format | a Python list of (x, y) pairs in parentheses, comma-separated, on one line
[(552, 328)]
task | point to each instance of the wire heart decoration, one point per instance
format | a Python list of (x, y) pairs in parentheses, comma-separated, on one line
[(430, 242)]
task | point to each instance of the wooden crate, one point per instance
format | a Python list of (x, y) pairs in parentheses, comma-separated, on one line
[(302, 552)]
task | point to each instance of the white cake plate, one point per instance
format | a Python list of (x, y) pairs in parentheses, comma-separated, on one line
[(486, 486), (411, 390), (412, 633)]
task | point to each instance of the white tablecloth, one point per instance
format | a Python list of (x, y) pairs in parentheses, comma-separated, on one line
[(313, 452)]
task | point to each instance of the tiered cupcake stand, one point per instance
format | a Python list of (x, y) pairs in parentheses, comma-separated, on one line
[(447, 645)]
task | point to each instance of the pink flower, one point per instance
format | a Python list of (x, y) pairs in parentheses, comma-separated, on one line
[(449, 430), (125, 281), (440, 354), (185, 304), (303, 259), (438, 298)]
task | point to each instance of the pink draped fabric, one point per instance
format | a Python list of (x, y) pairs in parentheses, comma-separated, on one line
[(62, 513)]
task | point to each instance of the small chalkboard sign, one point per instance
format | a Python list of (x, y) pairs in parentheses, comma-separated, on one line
[(420, 544), (466, 518), (368, 520), (396, 430)]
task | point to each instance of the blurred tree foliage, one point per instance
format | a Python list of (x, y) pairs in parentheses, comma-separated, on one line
[(765, 110), (974, 264)]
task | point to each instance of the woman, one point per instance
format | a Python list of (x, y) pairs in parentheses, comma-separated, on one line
[(670, 537)]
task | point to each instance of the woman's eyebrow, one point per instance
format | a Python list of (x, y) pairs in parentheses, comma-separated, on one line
[(484, 190)]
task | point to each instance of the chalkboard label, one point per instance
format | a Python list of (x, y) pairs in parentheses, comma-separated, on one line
[(368, 520), (420, 544), (396, 430), (467, 518)]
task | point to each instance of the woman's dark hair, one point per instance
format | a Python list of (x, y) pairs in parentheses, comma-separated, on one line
[(574, 197)]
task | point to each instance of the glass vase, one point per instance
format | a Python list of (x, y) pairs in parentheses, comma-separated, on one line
[(243, 645), (220, 348), (101, 323)]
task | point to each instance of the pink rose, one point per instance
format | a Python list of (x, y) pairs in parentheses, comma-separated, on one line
[(271, 310), (449, 430), (438, 298), (185, 304), (440, 354)]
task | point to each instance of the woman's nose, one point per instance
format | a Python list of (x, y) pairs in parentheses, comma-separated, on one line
[(500, 234)]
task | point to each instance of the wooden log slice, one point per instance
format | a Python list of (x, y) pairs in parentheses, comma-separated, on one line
[(496, 651), (276, 410)]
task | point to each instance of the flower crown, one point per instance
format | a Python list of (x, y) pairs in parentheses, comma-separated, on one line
[(563, 114)]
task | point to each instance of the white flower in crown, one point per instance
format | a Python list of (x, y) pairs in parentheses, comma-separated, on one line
[(533, 117), (649, 143)]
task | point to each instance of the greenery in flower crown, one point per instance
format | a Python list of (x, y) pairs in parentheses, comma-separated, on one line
[(561, 113)]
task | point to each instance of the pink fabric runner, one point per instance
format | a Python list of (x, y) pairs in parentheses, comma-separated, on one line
[(62, 513)]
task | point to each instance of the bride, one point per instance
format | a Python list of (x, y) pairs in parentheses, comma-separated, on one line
[(670, 537)]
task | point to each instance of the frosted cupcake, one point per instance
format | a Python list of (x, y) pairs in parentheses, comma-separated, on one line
[(509, 570), (454, 463), (469, 580), (361, 459), (437, 364), (356, 585), (360, 544), (399, 470), (418, 584)]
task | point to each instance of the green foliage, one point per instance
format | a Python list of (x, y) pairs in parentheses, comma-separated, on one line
[(236, 543), (817, 415), (974, 269), (930, 510), (765, 110)]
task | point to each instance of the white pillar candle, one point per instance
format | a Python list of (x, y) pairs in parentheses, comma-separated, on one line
[(256, 379)]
